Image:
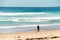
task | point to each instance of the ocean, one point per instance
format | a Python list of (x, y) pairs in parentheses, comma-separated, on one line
[(14, 19)]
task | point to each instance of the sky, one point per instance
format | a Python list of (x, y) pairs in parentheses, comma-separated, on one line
[(30, 3)]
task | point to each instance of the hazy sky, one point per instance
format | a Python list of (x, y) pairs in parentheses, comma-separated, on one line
[(30, 3)]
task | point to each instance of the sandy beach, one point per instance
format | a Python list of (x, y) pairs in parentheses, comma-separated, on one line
[(32, 35)]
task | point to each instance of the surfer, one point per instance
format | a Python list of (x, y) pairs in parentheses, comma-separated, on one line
[(38, 28)]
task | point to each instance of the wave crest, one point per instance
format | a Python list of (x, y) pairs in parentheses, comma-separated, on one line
[(33, 19), (30, 25)]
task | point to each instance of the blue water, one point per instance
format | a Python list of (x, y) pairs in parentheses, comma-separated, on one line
[(13, 19), (29, 9)]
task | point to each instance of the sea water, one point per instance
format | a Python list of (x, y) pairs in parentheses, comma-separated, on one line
[(14, 19)]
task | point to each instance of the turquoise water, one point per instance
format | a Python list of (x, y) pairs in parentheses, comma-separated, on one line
[(29, 9), (14, 19)]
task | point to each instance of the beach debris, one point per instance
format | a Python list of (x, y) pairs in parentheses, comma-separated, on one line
[(43, 38)]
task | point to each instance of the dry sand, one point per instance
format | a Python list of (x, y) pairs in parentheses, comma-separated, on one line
[(32, 35)]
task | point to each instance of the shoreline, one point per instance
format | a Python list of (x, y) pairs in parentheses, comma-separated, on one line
[(48, 34)]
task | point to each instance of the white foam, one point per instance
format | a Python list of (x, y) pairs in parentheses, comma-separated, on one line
[(16, 14), (31, 25), (56, 17), (27, 19), (31, 19)]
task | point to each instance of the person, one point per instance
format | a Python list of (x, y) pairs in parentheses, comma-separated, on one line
[(38, 28)]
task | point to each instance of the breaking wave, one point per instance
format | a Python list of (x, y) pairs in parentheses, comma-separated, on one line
[(29, 19), (34, 25), (42, 19)]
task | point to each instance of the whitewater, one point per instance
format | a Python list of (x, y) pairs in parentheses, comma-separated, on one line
[(31, 18)]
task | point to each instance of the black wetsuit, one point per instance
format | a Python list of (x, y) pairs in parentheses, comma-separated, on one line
[(38, 28)]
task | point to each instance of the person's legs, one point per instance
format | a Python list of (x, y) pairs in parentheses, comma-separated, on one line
[(38, 29)]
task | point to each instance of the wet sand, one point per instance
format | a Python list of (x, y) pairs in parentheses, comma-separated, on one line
[(32, 35)]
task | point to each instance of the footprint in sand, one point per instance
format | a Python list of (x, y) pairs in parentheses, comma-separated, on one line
[(18, 37)]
